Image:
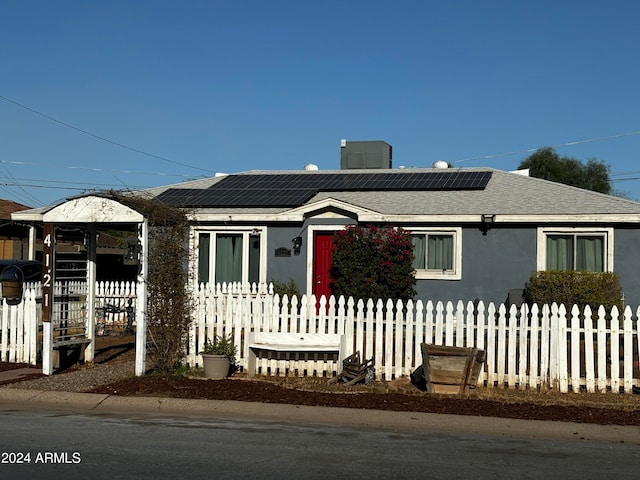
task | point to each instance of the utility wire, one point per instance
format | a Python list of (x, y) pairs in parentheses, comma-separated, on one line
[(530, 150), (636, 172), (95, 169), (56, 187), (24, 193), (86, 132), (66, 182), (625, 179)]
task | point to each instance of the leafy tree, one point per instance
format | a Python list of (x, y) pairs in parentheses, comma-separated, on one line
[(546, 163), (373, 262)]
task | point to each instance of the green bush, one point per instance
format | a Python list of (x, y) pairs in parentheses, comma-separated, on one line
[(373, 262), (575, 288)]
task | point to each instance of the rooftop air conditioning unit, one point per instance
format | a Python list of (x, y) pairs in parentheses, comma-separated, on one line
[(374, 154)]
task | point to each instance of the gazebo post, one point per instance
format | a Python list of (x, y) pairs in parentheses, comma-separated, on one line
[(92, 241), (31, 254), (141, 304), (48, 293)]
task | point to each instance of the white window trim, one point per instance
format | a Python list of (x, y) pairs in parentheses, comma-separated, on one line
[(607, 233), (456, 273), (245, 232)]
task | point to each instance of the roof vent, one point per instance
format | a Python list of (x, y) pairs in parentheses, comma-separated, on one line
[(310, 167), (440, 164)]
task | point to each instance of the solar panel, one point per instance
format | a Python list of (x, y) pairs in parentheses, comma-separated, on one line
[(294, 189)]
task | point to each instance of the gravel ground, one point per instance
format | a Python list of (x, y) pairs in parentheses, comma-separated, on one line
[(114, 360), (81, 379)]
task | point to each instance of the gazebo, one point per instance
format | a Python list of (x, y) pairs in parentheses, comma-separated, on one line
[(89, 212)]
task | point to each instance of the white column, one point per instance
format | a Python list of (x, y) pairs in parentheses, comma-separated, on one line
[(47, 348), (32, 243), (92, 241), (141, 304)]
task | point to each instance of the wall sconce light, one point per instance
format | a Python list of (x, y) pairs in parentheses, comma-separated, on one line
[(132, 254), (487, 222), (297, 243)]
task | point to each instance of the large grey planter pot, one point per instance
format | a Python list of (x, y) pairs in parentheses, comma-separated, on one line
[(215, 366)]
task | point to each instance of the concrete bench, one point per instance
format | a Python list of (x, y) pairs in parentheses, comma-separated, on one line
[(293, 342)]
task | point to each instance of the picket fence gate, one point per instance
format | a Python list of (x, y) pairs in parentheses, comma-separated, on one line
[(527, 348), (21, 324)]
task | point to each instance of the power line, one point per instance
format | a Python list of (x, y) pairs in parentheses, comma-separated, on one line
[(80, 189), (530, 150), (16, 188), (625, 179), (95, 169), (24, 193), (635, 172), (66, 182), (14, 184), (86, 132)]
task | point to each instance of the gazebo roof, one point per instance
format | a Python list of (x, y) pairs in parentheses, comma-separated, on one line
[(91, 209)]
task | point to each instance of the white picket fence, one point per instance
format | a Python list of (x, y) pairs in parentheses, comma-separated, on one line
[(19, 340), (21, 324), (527, 348), (544, 347), (115, 306)]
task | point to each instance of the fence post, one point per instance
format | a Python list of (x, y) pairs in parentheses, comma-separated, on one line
[(563, 377), (481, 327), (614, 342), (388, 341), (370, 330), (409, 340), (399, 332), (628, 350), (512, 321), (534, 343), (589, 358), (501, 346), (575, 349), (523, 345)]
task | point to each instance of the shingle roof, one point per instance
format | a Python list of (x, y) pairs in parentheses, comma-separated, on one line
[(505, 194), (7, 207)]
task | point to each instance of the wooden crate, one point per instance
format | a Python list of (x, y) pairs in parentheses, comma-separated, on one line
[(451, 370)]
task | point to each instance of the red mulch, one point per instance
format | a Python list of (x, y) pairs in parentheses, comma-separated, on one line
[(604, 409), (275, 392)]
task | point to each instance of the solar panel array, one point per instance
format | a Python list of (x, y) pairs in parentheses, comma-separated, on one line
[(294, 189)]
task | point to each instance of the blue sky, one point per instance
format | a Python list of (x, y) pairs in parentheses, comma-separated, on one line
[(130, 94)]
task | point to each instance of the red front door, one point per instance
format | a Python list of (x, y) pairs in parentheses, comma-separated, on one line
[(323, 246)]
